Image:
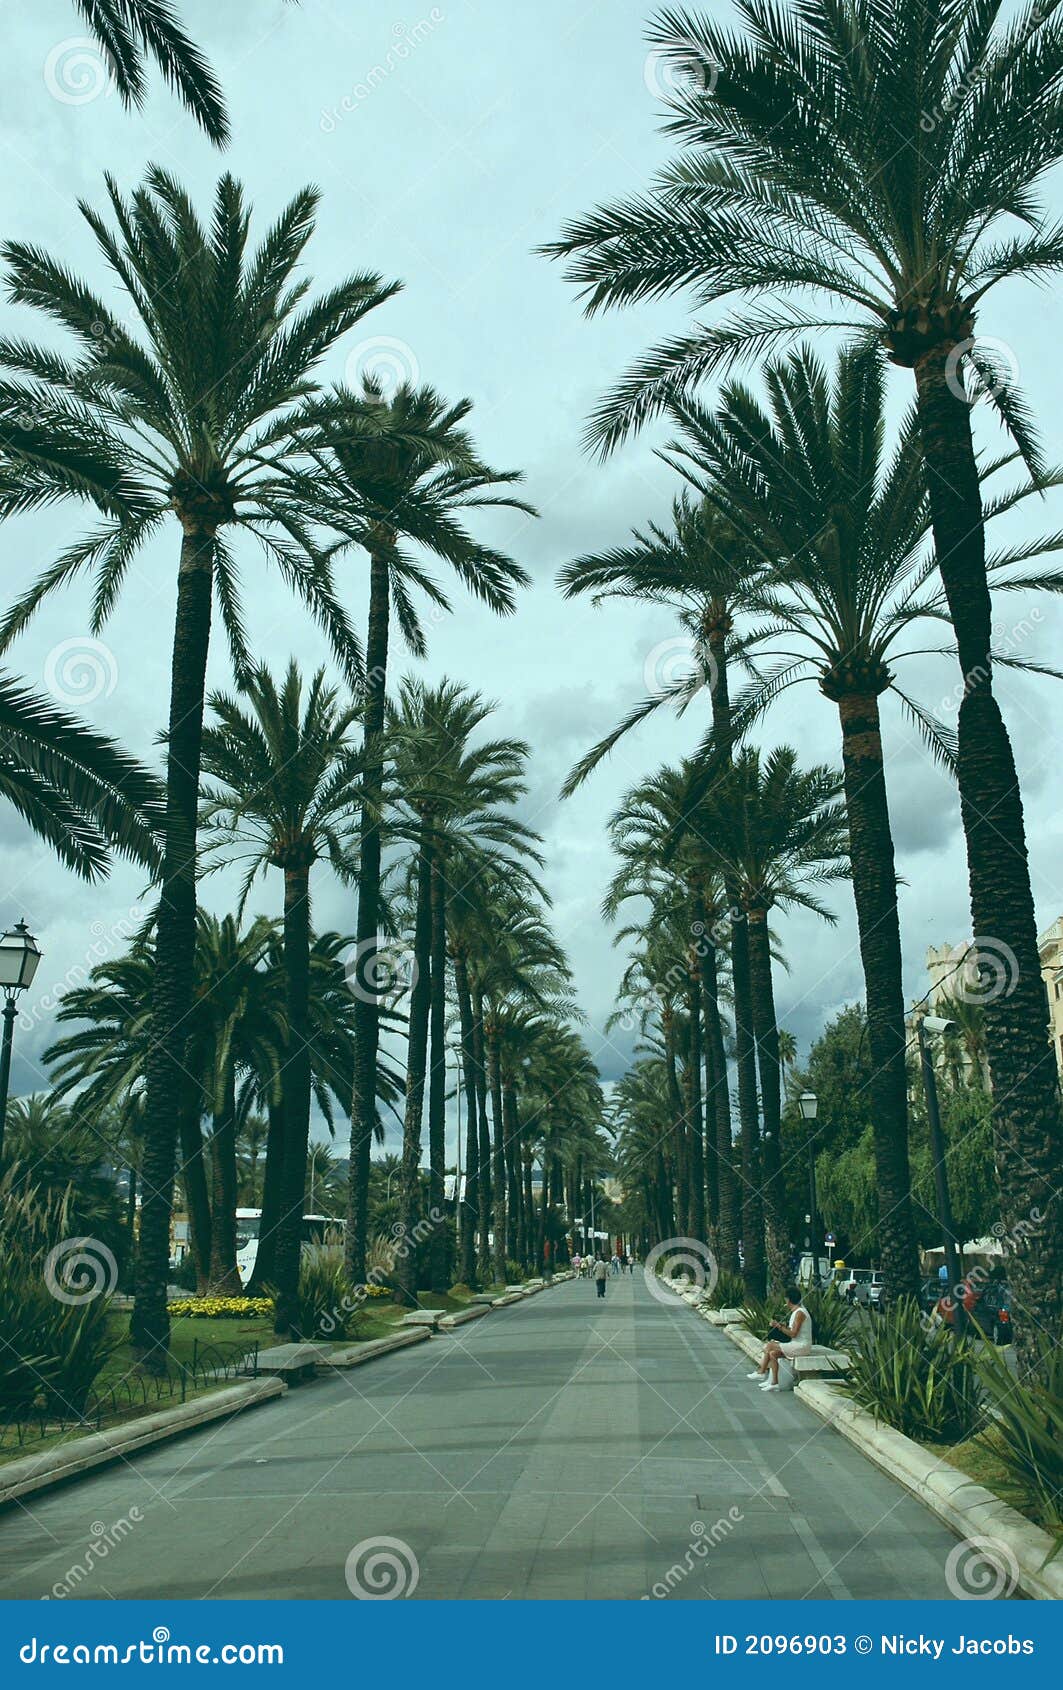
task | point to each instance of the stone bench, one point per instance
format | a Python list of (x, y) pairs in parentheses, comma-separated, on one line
[(820, 1363), (462, 1316), (290, 1362), (423, 1317)]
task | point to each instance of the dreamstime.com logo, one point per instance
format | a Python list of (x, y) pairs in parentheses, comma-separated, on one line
[(381, 1569), (981, 1569), (679, 1258), (80, 1269), (79, 671), (991, 972), (76, 72), (703, 1539), (102, 1539), (679, 70), (381, 973), (995, 364), (386, 362), (676, 666)]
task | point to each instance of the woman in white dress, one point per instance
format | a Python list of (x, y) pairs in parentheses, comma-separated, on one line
[(799, 1342)]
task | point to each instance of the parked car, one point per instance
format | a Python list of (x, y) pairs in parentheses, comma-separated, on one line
[(863, 1285)]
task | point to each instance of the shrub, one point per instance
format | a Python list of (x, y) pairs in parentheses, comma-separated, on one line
[(919, 1379), (514, 1273), (728, 1292), (327, 1301), (759, 1312), (52, 1348), (1027, 1437), (831, 1316)]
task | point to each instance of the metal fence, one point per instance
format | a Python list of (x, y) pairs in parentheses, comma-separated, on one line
[(128, 1397)]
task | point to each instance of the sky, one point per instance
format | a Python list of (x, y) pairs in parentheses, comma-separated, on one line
[(448, 142)]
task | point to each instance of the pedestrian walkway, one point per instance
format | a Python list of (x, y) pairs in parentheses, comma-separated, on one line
[(564, 1447)]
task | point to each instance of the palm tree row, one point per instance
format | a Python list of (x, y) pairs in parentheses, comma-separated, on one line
[(806, 172)]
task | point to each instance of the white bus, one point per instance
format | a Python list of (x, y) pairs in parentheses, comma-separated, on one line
[(319, 1232)]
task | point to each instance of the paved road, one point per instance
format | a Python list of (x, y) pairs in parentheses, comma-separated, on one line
[(560, 1448)]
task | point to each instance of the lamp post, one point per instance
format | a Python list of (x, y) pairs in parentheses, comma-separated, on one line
[(19, 956), (808, 1103), (938, 1024)]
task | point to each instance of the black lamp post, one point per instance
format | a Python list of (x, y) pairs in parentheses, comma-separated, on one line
[(808, 1103), (19, 956)]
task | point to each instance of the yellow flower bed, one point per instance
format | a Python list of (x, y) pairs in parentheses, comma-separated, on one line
[(221, 1308)]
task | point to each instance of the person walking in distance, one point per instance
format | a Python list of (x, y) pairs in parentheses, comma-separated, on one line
[(600, 1270)]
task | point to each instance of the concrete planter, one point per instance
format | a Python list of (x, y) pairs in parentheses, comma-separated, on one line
[(358, 1354), (970, 1510), (461, 1317), (66, 1461)]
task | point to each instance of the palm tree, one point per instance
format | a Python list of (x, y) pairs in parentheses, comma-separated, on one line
[(784, 833), (236, 1028), (392, 474), (456, 792), (126, 30), (703, 569), (289, 777), (840, 527), (693, 891), (77, 790), (191, 422), (881, 156)]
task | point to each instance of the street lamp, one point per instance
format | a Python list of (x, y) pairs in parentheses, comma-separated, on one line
[(938, 1024), (19, 956), (808, 1104)]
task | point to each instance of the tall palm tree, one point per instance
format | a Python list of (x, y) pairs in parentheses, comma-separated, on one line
[(455, 791), (838, 527), (127, 30), (396, 474), (889, 157), (703, 569), (694, 890), (236, 1027), (287, 771), (785, 835), (190, 421)]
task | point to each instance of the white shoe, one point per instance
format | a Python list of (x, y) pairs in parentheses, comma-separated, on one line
[(769, 1387), (757, 1375)]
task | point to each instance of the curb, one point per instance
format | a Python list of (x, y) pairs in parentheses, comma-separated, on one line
[(968, 1508), (38, 1472), (461, 1317), (360, 1353)]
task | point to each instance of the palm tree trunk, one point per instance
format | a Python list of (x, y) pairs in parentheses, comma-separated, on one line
[(367, 1002), (296, 1090), (480, 1063), (752, 1212), (471, 1208), (767, 1036), (695, 1134), (875, 890), (718, 1112), (272, 1194), (224, 1275), (494, 1082), (675, 1101), (408, 1279), (439, 1248), (194, 1180), (1026, 1102), (175, 944)]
